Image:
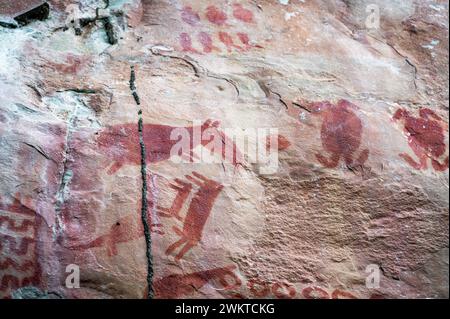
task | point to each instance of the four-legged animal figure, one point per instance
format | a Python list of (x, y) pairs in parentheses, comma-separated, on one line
[(425, 137), (341, 133), (197, 214)]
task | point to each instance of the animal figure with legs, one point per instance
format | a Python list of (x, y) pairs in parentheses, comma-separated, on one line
[(121, 143), (341, 133), (197, 214), (426, 138)]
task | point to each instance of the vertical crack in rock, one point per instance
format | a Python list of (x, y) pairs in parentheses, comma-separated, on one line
[(108, 25), (66, 176), (144, 209)]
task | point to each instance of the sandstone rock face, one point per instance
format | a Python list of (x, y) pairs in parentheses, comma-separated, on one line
[(347, 114)]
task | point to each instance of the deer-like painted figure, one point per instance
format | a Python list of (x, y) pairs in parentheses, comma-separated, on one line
[(197, 214), (121, 143)]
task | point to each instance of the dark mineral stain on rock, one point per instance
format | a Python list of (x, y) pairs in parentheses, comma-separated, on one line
[(21, 12)]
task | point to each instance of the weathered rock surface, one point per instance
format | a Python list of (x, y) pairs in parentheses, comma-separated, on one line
[(362, 130)]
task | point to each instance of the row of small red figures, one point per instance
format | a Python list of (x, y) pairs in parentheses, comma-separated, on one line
[(181, 285), (216, 16), (208, 46)]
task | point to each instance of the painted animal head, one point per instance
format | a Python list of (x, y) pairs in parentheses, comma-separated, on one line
[(235, 156)]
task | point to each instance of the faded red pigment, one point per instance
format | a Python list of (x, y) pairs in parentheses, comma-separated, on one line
[(283, 290), (207, 42), (190, 16), (315, 293), (244, 39), (124, 230), (341, 294), (73, 64), (283, 142), (242, 14), (178, 286), (186, 43), (258, 288), (181, 286), (19, 267), (426, 137), (226, 39), (216, 16), (128, 228)]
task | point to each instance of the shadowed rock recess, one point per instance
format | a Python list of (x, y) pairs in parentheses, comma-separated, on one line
[(316, 163)]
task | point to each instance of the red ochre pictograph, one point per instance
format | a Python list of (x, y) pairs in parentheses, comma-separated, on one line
[(216, 16), (341, 134), (426, 137), (129, 227), (19, 265), (121, 144), (231, 41), (177, 286), (197, 214)]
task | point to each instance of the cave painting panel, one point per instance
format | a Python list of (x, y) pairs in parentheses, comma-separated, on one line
[(284, 290), (201, 42), (72, 65), (130, 228), (178, 286), (341, 134), (426, 137), (19, 265), (121, 143), (126, 229), (229, 283), (197, 215), (232, 42), (120, 146)]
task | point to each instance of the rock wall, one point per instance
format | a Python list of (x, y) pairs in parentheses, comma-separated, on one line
[(226, 149)]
